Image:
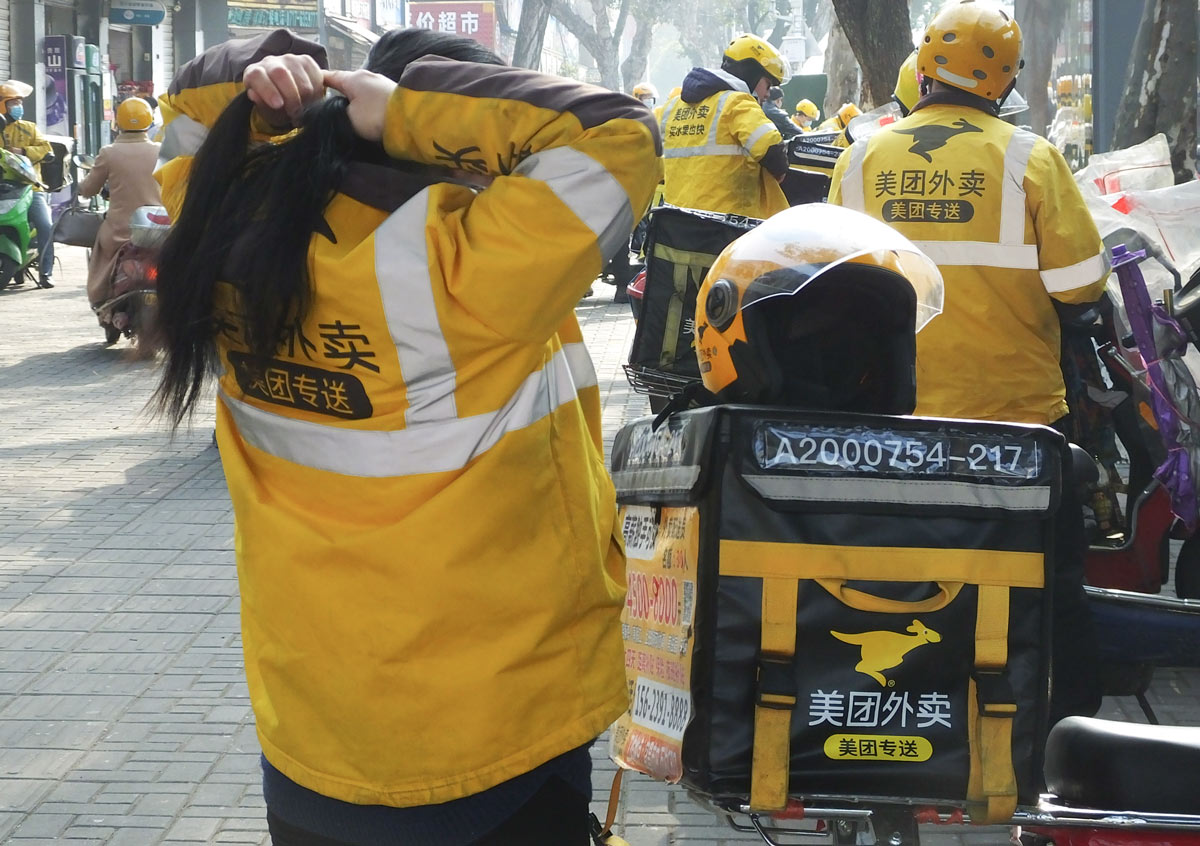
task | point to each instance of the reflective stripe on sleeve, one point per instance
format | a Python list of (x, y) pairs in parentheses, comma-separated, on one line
[(432, 447), (853, 196), (586, 187), (1012, 197), (981, 254), (1079, 275), (402, 269), (181, 137), (755, 136)]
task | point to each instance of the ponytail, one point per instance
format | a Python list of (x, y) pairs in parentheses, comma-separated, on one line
[(247, 219)]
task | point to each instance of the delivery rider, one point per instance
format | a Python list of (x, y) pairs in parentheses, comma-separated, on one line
[(721, 151), (998, 210), (22, 137)]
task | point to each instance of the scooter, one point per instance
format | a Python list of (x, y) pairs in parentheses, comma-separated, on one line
[(18, 262), (1104, 782), (131, 308)]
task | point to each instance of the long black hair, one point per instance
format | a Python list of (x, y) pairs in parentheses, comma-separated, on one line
[(249, 216)]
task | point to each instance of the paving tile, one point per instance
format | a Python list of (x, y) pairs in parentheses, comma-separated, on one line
[(124, 714)]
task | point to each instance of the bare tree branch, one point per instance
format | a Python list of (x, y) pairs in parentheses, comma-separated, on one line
[(879, 34)]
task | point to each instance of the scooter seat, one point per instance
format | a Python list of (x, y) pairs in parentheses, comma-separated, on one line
[(1113, 766)]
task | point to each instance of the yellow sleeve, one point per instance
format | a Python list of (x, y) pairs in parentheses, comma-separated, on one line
[(750, 125), (573, 168), (1071, 257), (37, 147), (198, 95), (835, 181)]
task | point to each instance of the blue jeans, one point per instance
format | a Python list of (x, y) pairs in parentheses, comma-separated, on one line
[(39, 218)]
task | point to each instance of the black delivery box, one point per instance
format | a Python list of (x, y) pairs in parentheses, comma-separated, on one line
[(826, 605)]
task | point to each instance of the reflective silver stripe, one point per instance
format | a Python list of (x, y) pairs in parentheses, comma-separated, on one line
[(853, 196), (181, 137), (402, 270), (1078, 275), (655, 479), (666, 116), (1012, 197), (587, 188), (901, 492), (579, 363), (755, 136), (706, 150), (716, 120), (433, 447), (981, 254)]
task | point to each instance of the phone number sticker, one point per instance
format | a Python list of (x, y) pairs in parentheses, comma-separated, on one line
[(872, 451), (661, 708)]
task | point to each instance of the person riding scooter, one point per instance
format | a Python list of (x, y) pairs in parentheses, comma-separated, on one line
[(23, 138), (127, 167)]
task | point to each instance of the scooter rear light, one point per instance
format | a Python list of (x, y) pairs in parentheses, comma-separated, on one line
[(637, 288)]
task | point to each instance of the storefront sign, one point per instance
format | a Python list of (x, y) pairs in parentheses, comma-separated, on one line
[(137, 12), (270, 14), (476, 21)]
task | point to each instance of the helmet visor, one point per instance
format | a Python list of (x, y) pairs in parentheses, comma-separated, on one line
[(791, 249)]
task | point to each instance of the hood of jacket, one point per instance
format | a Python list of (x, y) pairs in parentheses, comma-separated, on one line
[(701, 83)]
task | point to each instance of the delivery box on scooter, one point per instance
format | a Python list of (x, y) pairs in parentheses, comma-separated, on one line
[(681, 245), (846, 605)]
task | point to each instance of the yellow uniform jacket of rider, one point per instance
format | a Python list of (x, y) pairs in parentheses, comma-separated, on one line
[(711, 155), (998, 210), (430, 565), (24, 133)]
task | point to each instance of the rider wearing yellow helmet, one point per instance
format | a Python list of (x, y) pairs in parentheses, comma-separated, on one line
[(647, 93), (134, 115), (806, 113), (907, 90), (721, 152), (126, 167), (22, 137), (999, 211)]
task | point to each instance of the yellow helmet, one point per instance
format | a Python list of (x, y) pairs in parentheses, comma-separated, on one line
[(972, 46), (808, 108), (847, 113), (644, 89), (14, 89), (751, 48), (134, 115), (817, 307), (908, 90)]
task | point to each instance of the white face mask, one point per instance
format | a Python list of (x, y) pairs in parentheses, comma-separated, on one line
[(649, 101)]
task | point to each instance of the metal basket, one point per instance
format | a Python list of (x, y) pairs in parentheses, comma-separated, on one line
[(656, 383)]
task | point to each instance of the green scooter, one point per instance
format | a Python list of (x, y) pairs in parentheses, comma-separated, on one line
[(17, 260)]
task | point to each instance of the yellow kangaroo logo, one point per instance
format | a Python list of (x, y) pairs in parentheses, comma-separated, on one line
[(884, 650)]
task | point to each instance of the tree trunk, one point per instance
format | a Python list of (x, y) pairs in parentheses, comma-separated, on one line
[(531, 34), (841, 70), (1160, 91), (879, 34), (602, 42), (1041, 23), (633, 69)]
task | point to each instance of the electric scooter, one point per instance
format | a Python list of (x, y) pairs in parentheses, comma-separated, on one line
[(18, 262), (133, 301)]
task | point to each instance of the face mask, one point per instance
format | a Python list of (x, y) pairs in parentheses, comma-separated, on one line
[(16, 112)]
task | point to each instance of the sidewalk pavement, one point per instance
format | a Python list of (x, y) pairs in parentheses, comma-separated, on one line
[(124, 716)]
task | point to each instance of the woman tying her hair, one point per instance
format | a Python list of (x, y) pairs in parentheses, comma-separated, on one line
[(430, 569)]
